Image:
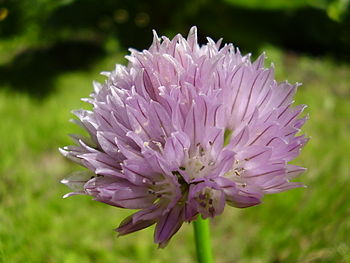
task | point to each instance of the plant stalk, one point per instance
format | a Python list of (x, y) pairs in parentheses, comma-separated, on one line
[(202, 238)]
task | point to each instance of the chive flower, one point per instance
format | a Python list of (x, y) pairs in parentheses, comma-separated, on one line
[(182, 130)]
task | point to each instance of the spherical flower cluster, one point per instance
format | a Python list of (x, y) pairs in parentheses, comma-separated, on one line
[(183, 130)]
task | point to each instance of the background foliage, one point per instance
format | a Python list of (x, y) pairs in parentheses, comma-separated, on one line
[(50, 51)]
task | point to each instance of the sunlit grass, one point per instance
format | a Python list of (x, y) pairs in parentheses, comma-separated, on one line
[(302, 225)]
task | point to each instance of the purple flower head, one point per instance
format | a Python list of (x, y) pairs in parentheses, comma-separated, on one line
[(183, 130)]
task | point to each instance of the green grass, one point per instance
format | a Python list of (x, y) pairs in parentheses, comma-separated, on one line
[(302, 225)]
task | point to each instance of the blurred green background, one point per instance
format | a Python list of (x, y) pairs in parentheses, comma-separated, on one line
[(51, 50)]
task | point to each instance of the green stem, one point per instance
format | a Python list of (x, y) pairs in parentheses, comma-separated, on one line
[(202, 237)]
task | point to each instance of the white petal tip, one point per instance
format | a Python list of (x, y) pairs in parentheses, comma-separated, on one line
[(155, 35), (64, 181), (192, 34), (105, 73), (63, 151), (193, 29), (66, 195)]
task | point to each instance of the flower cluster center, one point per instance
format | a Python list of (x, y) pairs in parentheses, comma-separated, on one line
[(199, 164)]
